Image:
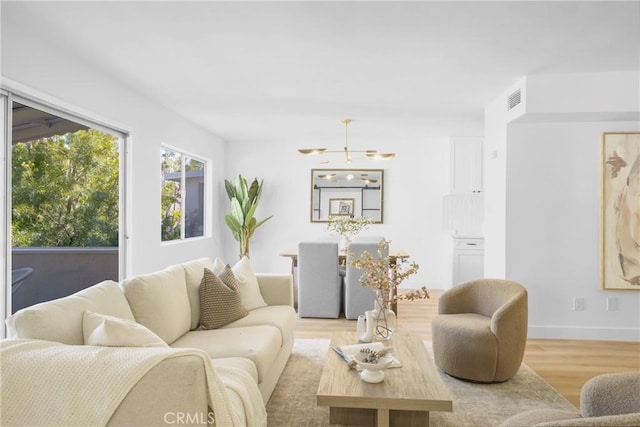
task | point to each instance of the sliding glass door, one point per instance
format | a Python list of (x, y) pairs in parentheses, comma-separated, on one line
[(64, 178)]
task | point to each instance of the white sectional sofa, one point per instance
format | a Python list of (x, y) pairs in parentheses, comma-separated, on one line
[(167, 302)]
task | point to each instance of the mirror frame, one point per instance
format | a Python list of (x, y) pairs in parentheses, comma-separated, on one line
[(380, 186)]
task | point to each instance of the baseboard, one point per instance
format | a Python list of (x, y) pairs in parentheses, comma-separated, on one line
[(584, 333)]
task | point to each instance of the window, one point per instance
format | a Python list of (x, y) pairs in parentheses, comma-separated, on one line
[(182, 195)]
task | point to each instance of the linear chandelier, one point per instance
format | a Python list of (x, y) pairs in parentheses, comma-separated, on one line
[(368, 154)]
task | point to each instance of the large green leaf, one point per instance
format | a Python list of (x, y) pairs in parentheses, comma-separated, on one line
[(253, 192), (231, 190), (241, 189), (249, 216), (233, 224), (251, 227), (236, 211), (259, 194)]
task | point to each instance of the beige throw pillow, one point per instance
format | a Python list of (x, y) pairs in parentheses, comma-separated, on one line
[(193, 271), (110, 331), (247, 282), (160, 302), (220, 302)]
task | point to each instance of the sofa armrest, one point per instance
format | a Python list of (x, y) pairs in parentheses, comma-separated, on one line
[(174, 392), (276, 289)]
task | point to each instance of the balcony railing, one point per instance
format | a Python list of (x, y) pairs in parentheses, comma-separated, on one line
[(58, 272)]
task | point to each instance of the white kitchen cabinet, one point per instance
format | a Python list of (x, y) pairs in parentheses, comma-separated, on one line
[(468, 259), (466, 165)]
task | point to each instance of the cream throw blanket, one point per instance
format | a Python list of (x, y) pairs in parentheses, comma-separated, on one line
[(50, 383)]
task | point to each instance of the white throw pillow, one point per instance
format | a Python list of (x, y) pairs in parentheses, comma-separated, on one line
[(249, 288), (60, 320), (218, 266), (100, 329)]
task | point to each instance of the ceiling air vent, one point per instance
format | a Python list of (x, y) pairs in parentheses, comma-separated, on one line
[(513, 100)]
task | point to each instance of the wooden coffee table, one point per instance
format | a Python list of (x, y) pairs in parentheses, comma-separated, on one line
[(404, 398)]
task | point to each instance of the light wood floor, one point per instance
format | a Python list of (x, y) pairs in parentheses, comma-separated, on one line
[(565, 364)]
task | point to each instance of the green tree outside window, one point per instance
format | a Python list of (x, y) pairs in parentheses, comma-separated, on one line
[(65, 191)]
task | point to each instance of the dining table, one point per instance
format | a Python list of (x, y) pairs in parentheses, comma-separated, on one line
[(395, 256)]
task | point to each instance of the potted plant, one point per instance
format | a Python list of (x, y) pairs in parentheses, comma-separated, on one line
[(244, 202)]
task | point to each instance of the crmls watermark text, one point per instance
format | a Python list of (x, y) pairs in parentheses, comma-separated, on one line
[(189, 418)]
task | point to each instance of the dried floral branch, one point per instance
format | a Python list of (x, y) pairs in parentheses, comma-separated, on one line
[(379, 274), (415, 294), (343, 225)]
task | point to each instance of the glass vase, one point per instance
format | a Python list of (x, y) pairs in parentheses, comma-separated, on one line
[(386, 324), (385, 318)]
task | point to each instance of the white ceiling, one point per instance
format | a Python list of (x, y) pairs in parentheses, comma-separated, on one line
[(290, 71)]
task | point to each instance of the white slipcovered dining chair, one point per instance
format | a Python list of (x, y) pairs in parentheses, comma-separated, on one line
[(358, 298), (319, 283)]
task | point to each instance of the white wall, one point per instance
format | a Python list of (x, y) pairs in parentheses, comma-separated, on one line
[(414, 183), (494, 167), (541, 198), (590, 95), (53, 72), (552, 230)]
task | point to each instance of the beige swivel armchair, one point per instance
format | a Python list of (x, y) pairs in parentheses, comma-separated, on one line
[(480, 331)]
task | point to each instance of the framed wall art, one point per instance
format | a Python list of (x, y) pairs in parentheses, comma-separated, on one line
[(343, 207), (620, 211)]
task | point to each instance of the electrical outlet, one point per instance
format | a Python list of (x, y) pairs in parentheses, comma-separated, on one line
[(612, 304), (578, 304)]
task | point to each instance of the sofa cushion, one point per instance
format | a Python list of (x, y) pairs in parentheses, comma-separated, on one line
[(194, 270), (260, 344), (159, 301), (110, 331), (220, 301), (249, 289), (282, 317), (60, 320)]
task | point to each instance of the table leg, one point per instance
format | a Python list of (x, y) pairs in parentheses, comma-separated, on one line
[(382, 418), (294, 274), (378, 417)]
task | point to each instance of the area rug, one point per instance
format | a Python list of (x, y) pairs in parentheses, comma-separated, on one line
[(293, 402)]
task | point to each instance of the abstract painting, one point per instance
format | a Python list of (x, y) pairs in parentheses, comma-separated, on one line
[(620, 211)]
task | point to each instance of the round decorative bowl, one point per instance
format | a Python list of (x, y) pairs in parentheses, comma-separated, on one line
[(372, 372)]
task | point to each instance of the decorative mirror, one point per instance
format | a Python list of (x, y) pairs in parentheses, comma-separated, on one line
[(352, 192)]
